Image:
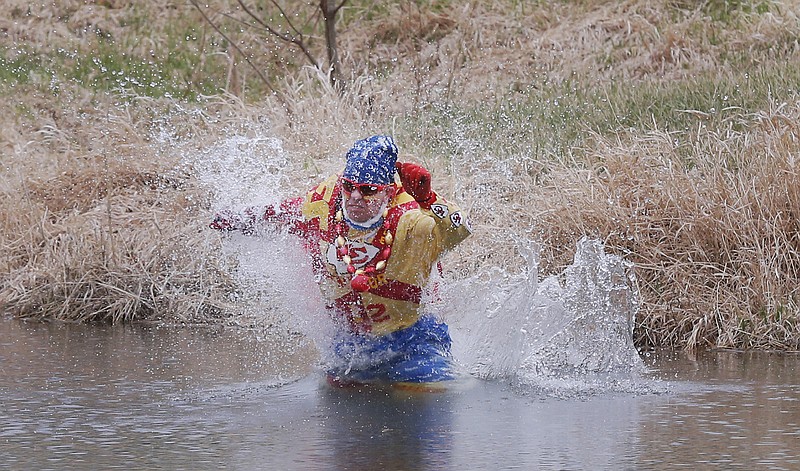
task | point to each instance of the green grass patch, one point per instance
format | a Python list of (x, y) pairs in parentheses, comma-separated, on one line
[(18, 69), (174, 75), (552, 121), (728, 12), (181, 72)]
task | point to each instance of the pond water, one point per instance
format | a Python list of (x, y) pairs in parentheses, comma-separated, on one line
[(147, 397)]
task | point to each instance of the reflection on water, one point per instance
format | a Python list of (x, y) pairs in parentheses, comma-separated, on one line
[(78, 397)]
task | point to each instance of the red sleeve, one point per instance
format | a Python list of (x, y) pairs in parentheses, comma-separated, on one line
[(288, 215)]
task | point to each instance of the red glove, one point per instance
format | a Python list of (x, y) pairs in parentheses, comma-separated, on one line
[(417, 182)]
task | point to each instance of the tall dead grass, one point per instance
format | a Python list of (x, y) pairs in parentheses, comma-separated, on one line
[(98, 225), (710, 221)]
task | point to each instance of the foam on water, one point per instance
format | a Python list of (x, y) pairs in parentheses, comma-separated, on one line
[(565, 335)]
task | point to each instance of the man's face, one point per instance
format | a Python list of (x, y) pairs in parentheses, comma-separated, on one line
[(364, 201)]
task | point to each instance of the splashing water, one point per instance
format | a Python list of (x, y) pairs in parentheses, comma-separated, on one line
[(563, 335), (243, 171)]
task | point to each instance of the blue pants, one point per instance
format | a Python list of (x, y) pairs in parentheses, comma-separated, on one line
[(417, 354)]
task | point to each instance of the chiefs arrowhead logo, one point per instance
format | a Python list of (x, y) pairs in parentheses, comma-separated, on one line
[(457, 219), (360, 253), (440, 210)]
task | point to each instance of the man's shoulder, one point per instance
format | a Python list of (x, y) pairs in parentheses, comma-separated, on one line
[(411, 218), (323, 190)]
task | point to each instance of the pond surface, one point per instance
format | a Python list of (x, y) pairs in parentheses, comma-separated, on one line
[(89, 397)]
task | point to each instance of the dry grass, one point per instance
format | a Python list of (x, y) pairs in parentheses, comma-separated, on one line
[(517, 108), (715, 240), (99, 225)]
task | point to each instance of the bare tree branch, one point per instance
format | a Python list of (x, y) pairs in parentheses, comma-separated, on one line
[(297, 39), (336, 10), (288, 20), (235, 46), (327, 9)]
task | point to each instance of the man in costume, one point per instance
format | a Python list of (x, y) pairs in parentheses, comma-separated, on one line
[(374, 233)]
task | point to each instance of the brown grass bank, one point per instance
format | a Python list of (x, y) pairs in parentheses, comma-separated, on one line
[(666, 128)]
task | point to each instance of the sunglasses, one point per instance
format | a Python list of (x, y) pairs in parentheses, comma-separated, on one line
[(366, 189)]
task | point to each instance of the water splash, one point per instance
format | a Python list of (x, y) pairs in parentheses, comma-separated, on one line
[(250, 169), (570, 334), (281, 283), (244, 170)]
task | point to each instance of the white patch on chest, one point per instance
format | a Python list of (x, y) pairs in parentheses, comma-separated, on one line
[(361, 254)]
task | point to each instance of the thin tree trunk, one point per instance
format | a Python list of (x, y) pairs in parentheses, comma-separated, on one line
[(329, 10)]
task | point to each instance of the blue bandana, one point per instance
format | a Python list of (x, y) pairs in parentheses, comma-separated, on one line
[(372, 160)]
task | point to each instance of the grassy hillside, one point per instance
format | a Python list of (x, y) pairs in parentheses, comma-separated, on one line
[(666, 128)]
